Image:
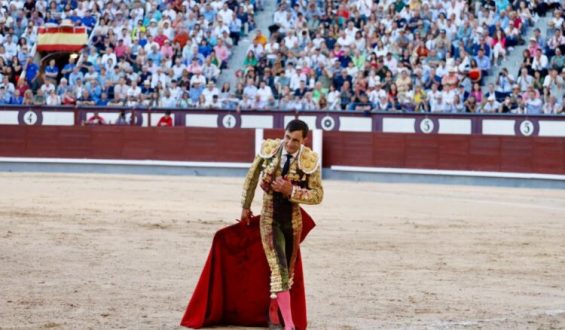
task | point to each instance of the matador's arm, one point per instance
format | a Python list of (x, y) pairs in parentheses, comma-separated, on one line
[(250, 183), (313, 194)]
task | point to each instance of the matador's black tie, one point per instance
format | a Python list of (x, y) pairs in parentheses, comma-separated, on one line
[(286, 165)]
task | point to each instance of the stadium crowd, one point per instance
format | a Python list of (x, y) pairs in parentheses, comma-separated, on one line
[(355, 55)]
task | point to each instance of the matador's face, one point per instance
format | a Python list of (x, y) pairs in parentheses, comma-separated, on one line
[(292, 141)]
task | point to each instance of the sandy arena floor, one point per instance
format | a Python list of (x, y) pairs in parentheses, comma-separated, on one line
[(125, 252)]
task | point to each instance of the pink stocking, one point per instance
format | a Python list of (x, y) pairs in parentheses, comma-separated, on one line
[(283, 298)]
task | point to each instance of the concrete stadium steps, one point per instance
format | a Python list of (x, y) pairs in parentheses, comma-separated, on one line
[(263, 19), (513, 59)]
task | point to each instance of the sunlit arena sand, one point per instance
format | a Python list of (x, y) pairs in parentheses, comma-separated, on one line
[(125, 252)]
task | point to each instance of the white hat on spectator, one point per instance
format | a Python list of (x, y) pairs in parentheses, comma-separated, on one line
[(453, 69), (146, 82), (491, 98)]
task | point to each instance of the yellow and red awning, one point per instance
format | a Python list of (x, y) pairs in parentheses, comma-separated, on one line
[(61, 38)]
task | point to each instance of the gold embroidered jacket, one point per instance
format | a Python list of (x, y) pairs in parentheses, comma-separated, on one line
[(304, 174)]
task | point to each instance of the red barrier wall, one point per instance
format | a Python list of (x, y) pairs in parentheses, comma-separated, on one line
[(119, 142), (434, 151), (449, 152)]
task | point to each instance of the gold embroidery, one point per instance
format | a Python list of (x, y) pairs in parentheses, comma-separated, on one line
[(304, 171), (308, 160), (270, 147)]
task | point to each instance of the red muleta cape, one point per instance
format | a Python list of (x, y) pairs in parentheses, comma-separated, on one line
[(234, 286)]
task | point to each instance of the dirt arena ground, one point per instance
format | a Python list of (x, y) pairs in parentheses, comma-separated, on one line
[(125, 252)]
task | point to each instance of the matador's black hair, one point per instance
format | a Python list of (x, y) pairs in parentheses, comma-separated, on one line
[(297, 125)]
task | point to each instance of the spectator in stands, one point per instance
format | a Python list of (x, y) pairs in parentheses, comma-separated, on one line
[(524, 80), (52, 71), (552, 107), (52, 98), (185, 102), (558, 60), (540, 62), (533, 104), (471, 105), (483, 62), (32, 74), (504, 84), (85, 98), (552, 84), (491, 106), (314, 48)]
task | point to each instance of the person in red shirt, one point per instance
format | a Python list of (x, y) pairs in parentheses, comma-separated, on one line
[(96, 119), (166, 120)]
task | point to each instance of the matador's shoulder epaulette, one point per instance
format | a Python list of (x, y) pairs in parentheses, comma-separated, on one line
[(269, 148), (308, 160)]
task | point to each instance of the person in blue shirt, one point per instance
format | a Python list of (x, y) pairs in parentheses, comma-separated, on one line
[(52, 71), (4, 95), (89, 20), (103, 101), (204, 48), (16, 99), (75, 18), (196, 57), (32, 73), (209, 13), (481, 45), (155, 55), (195, 92), (94, 89), (68, 68), (75, 74), (483, 62)]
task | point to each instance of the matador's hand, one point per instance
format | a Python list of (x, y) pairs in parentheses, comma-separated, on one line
[(283, 186), (246, 215)]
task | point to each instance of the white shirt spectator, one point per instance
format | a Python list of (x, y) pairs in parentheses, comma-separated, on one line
[(554, 84), (344, 40), (491, 106), (265, 93), (392, 64), (525, 82), (168, 101), (107, 56), (53, 99), (539, 63), (198, 78), (176, 92), (271, 50), (226, 14), (178, 69), (209, 93), (133, 91), (436, 101), (333, 100)]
